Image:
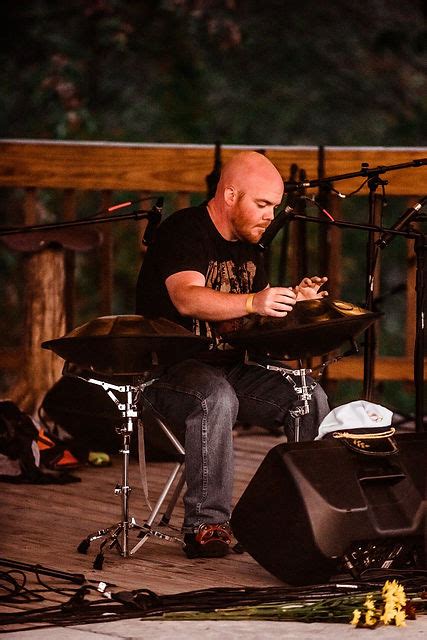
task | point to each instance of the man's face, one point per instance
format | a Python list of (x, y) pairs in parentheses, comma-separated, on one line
[(253, 212)]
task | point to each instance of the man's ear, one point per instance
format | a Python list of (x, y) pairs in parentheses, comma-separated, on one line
[(230, 195)]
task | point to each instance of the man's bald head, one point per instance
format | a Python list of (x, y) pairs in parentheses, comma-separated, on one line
[(249, 190), (246, 167)]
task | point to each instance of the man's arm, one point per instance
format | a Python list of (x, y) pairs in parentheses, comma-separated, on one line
[(192, 298)]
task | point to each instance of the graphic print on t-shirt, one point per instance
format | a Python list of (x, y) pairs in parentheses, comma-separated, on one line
[(228, 277)]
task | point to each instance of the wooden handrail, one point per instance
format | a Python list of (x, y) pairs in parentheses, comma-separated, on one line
[(170, 168)]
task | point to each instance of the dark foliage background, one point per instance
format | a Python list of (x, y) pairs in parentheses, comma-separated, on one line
[(197, 71), (243, 72)]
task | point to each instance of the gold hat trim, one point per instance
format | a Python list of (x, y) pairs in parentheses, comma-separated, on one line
[(364, 436)]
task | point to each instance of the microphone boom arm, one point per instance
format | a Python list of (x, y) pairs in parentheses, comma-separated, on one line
[(365, 171), (345, 224), (134, 215)]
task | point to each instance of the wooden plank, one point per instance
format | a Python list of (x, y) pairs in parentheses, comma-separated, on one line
[(11, 358), (106, 165), (386, 368), (162, 168), (43, 524), (69, 213), (30, 207), (106, 252)]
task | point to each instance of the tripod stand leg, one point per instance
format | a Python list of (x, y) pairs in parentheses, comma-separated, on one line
[(297, 424), (110, 535), (99, 559), (102, 533), (174, 499), (146, 529)]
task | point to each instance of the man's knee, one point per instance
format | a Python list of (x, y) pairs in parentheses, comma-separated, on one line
[(223, 399), (192, 387), (320, 401)]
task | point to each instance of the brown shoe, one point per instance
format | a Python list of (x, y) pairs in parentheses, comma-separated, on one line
[(209, 541)]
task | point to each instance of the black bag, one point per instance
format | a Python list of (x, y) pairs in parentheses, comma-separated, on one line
[(18, 443), (90, 420), (86, 414)]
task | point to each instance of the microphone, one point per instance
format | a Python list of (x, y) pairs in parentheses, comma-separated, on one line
[(292, 185), (154, 217), (274, 227), (401, 222)]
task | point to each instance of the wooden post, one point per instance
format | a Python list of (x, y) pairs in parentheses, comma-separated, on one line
[(44, 319), (69, 213), (106, 267)]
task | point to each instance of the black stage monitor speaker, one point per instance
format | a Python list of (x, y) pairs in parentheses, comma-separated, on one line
[(314, 510)]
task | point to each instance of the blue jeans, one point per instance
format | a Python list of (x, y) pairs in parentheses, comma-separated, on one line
[(201, 404)]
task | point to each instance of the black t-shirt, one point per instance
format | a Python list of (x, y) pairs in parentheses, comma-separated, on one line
[(189, 241)]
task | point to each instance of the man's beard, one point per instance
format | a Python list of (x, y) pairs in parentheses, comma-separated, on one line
[(244, 232)]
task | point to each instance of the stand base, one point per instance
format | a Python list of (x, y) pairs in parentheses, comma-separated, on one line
[(111, 538), (116, 536)]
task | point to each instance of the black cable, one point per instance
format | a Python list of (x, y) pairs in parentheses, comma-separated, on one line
[(65, 591), (143, 603), (19, 593), (16, 587)]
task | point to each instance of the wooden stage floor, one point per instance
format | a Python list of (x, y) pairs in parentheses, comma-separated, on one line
[(43, 524)]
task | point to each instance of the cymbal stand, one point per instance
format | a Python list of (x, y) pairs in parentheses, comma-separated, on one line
[(303, 391), (117, 535)]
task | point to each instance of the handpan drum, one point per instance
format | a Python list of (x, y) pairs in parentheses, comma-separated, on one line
[(313, 328), (126, 344)]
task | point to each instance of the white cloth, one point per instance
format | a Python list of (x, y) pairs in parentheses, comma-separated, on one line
[(355, 415)]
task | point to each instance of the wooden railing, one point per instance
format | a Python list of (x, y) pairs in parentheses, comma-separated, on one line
[(73, 168), (180, 168)]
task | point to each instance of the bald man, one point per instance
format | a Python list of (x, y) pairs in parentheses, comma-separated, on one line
[(203, 272)]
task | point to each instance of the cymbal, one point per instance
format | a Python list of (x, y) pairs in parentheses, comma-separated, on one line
[(313, 328), (127, 344)]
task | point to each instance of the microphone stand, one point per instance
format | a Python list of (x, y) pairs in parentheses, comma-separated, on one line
[(372, 174), (420, 250), (290, 202), (134, 215), (420, 247), (365, 171), (371, 263)]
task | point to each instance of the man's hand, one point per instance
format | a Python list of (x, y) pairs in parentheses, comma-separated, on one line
[(308, 289), (274, 301)]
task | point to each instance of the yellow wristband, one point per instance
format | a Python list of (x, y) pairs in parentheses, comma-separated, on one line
[(249, 303)]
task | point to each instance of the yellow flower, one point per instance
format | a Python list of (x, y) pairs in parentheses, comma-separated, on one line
[(400, 595), (390, 611), (390, 606), (389, 586), (394, 598), (388, 615), (369, 603), (356, 617), (399, 618), (370, 618), (395, 590), (389, 598)]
